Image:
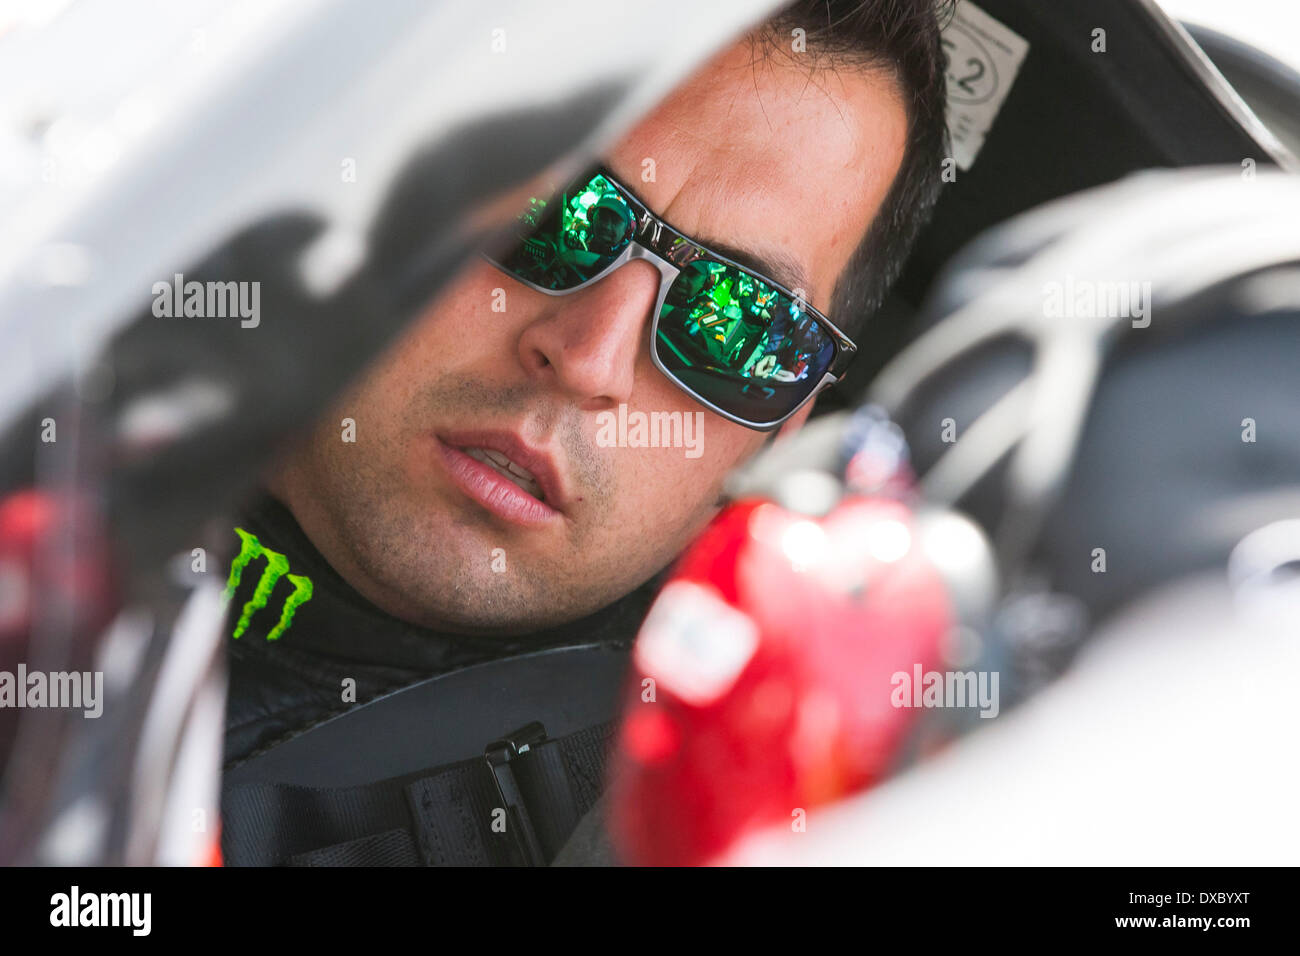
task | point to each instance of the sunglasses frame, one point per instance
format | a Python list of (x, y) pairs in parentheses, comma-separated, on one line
[(671, 251)]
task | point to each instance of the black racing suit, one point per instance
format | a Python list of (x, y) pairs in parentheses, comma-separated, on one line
[(294, 681)]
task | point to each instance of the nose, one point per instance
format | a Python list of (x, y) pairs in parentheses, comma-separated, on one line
[(586, 344)]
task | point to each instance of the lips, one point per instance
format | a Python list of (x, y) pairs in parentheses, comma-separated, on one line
[(504, 475), (508, 469)]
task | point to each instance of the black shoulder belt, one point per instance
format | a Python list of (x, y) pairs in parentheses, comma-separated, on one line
[(490, 765)]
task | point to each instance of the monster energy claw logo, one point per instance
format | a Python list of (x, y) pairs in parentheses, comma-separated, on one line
[(277, 566)]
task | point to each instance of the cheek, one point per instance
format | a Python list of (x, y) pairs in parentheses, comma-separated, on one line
[(454, 335), (661, 489), (662, 500), (681, 480), (469, 317)]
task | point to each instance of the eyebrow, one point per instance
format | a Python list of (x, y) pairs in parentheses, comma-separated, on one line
[(775, 264)]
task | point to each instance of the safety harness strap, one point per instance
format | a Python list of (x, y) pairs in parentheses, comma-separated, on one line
[(516, 805)]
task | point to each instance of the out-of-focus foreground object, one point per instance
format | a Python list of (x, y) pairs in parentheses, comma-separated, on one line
[(337, 160), (762, 676), (1120, 368)]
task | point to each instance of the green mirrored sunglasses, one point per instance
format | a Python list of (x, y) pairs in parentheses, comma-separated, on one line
[(742, 344)]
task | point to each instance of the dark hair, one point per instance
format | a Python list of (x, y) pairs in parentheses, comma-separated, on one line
[(900, 37)]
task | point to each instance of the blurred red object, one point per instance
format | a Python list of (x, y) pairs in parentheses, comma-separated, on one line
[(763, 675), (53, 561), (24, 518)]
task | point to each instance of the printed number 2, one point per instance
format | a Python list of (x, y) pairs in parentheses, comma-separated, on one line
[(965, 81)]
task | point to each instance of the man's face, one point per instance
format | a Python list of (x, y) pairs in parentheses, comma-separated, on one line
[(766, 155), (606, 230)]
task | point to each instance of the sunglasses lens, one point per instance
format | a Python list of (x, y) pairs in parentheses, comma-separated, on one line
[(740, 344), (572, 237)]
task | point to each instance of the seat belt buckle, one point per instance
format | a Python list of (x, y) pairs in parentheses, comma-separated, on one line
[(499, 755)]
